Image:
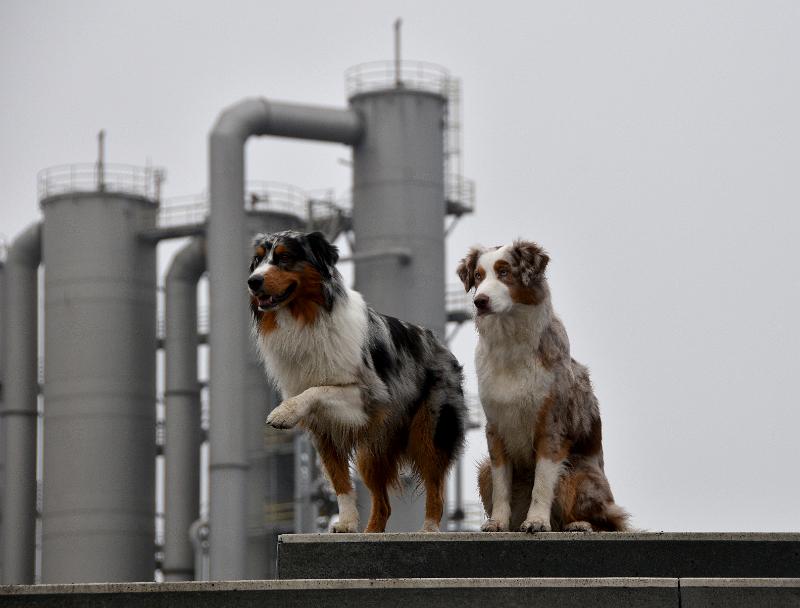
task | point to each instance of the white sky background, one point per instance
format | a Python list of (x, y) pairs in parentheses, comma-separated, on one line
[(652, 147)]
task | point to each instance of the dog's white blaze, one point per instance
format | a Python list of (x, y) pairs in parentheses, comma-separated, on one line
[(501, 494), (499, 296), (544, 485)]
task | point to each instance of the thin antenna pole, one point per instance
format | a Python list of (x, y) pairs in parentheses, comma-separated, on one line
[(398, 81), (101, 180)]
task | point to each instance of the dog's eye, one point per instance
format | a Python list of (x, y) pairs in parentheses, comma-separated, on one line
[(477, 276), (502, 273)]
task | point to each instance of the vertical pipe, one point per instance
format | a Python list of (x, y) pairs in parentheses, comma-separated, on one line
[(398, 80), (227, 273), (2, 381), (182, 406), (228, 251), (19, 407)]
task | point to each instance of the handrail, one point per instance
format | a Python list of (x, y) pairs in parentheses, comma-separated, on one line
[(383, 75), (111, 177), (259, 196)]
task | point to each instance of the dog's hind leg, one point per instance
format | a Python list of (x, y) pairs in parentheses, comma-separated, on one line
[(377, 474), (338, 469), (431, 463)]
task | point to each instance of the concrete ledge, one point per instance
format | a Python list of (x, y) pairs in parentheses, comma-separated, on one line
[(409, 593), (478, 555), (400, 593), (740, 593)]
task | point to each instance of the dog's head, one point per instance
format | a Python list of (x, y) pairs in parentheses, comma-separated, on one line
[(291, 267), (504, 276)]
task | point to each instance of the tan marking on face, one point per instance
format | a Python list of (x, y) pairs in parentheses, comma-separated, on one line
[(305, 302), (261, 251), (520, 294), (480, 274)]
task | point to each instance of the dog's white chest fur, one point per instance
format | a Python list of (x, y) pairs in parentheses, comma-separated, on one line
[(327, 352), (512, 383)]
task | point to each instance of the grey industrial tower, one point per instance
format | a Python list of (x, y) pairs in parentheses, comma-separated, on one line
[(97, 243)]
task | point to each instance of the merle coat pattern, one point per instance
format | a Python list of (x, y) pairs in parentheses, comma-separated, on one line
[(365, 385)]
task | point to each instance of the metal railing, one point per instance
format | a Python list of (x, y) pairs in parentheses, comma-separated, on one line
[(275, 197), (183, 211), (91, 177), (383, 75), (457, 300), (459, 192)]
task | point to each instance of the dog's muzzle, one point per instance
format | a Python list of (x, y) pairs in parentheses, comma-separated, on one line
[(267, 301), (482, 304)]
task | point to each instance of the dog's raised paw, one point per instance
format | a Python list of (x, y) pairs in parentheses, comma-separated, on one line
[(492, 525), (285, 416), (534, 525)]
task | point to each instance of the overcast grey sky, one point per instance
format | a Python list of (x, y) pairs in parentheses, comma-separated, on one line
[(652, 147)]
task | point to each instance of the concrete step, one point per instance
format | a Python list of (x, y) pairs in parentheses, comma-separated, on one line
[(477, 555), (410, 593)]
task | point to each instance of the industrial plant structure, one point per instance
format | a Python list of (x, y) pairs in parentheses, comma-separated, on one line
[(79, 364)]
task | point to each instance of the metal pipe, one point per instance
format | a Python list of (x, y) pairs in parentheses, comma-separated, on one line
[(182, 405), (228, 252), (2, 380), (19, 408)]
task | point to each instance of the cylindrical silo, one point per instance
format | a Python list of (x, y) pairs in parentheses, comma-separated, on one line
[(100, 341), (399, 205), (270, 476)]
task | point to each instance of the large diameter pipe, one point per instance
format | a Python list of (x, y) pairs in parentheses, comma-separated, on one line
[(182, 406), (228, 252), (19, 408)]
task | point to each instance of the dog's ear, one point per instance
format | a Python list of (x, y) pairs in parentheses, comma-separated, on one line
[(466, 268), (324, 253), (530, 260)]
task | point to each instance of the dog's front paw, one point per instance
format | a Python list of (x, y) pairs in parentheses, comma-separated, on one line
[(578, 526), (286, 415), (492, 525), (535, 525), (344, 526)]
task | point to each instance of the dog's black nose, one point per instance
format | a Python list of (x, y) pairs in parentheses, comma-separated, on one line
[(255, 282), (482, 302)]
